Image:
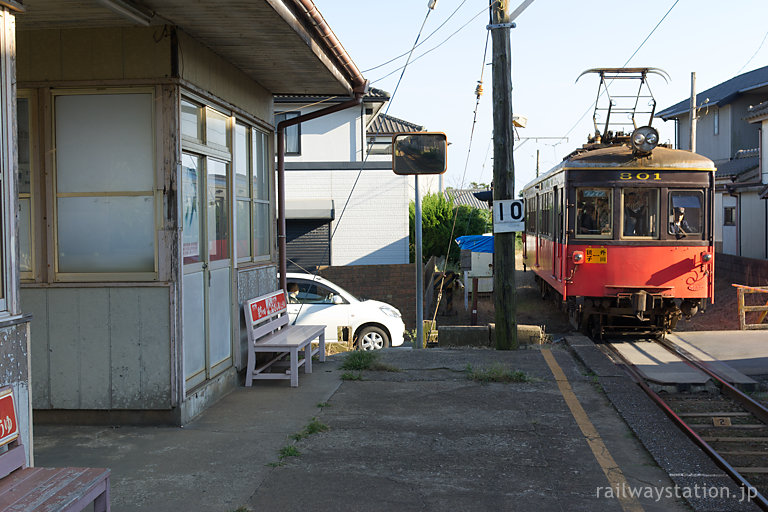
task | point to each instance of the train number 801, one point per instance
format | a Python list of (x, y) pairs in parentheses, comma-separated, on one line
[(642, 176)]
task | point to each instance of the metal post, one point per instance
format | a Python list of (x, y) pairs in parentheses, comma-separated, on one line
[(693, 111), (419, 268)]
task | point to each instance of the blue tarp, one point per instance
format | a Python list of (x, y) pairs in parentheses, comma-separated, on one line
[(476, 243)]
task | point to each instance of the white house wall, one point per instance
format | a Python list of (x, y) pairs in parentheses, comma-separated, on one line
[(753, 221), (730, 233), (331, 138), (373, 229)]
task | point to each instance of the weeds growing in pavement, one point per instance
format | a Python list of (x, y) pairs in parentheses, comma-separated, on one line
[(366, 360), (323, 405), (351, 376), (313, 427), (496, 373), (289, 451)]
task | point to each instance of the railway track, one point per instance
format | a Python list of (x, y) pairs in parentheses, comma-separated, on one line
[(728, 425)]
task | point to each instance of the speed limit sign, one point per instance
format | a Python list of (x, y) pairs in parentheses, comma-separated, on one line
[(508, 215)]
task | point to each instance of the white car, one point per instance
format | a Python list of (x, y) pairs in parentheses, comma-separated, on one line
[(316, 301)]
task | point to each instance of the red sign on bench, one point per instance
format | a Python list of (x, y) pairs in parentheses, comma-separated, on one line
[(9, 427), (267, 306)]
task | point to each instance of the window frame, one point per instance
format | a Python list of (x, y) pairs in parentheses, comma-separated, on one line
[(729, 215), (655, 229), (577, 210), (154, 193), (290, 114), (702, 220), (34, 193)]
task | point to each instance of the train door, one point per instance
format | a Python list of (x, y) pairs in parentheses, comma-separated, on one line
[(557, 235), (538, 229)]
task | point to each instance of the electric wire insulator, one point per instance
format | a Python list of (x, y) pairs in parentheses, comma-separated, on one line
[(479, 89)]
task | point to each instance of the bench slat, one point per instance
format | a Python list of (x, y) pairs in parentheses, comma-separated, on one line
[(296, 335), (49, 489)]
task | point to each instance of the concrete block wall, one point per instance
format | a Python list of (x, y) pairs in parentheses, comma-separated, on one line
[(393, 284), (740, 270)]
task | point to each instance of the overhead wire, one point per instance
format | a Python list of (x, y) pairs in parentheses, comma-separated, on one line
[(478, 94), (592, 106), (754, 54)]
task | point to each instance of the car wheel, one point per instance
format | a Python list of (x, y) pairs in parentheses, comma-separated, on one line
[(372, 338)]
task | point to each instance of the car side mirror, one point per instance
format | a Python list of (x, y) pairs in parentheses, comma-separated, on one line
[(338, 299)]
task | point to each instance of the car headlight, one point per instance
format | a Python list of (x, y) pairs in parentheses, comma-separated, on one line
[(390, 311)]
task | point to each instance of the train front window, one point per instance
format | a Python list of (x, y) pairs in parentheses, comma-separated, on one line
[(686, 214), (594, 213), (640, 207)]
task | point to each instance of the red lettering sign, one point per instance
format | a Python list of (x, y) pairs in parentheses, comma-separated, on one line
[(9, 427), (267, 306)]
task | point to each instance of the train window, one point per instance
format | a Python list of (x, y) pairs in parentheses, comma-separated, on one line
[(641, 212), (530, 214), (594, 213), (686, 213)]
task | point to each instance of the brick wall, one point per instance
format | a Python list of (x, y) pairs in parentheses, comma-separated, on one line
[(393, 284), (748, 271)]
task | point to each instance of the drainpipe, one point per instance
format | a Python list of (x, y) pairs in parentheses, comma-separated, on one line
[(281, 126)]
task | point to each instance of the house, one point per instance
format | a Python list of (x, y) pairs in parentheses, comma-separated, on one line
[(345, 206), (146, 192), (729, 132)]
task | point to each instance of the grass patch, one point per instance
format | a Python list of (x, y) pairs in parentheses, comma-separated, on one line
[(313, 427), (366, 360), (289, 451), (241, 509), (323, 405), (496, 373), (351, 376)]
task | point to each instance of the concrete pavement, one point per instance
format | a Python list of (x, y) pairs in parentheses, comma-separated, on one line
[(420, 438)]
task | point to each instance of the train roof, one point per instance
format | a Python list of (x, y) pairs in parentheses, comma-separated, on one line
[(622, 157)]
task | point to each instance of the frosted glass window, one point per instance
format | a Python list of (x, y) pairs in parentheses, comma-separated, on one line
[(261, 229), (243, 229), (261, 166), (106, 234), (215, 127), (242, 162), (218, 211), (190, 198), (191, 120), (25, 237), (104, 143), (22, 108)]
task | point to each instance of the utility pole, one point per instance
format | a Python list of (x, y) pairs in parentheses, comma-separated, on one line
[(505, 292), (693, 112)]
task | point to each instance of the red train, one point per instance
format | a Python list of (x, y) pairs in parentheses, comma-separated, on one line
[(622, 233)]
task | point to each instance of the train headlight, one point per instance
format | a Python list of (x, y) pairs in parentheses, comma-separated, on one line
[(578, 257), (706, 257), (644, 139)]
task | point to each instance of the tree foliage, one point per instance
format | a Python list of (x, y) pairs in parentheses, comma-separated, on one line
[(437, 214)]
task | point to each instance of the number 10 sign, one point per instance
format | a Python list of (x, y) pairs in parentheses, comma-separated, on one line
[(508, 215)]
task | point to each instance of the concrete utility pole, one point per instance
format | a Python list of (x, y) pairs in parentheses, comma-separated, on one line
[(693, 111), (505, 293)]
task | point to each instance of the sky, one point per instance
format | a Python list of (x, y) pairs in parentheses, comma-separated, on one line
[(553, 43)]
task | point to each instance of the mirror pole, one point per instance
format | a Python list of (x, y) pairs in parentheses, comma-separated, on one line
[(419, 268)]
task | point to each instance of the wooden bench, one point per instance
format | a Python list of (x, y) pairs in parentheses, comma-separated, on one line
[(43, 489), (266, 318)]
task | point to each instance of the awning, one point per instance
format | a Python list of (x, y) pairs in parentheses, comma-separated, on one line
[(476, 243)]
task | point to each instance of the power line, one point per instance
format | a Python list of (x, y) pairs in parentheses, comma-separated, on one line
[(753, 55), (625, 65)]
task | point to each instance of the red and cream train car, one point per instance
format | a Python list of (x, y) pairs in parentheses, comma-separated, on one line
[(622, 234)]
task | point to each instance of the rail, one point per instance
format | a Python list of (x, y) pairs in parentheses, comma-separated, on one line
[(741, 291), (760, 500)]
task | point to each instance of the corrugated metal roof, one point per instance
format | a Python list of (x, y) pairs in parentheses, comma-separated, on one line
[(373, 95), (466, 197), (387, 125), (722, 94)]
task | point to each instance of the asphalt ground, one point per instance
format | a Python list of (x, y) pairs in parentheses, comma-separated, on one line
[(421, 437)]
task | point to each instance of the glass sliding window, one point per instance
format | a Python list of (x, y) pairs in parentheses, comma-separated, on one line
[(191, 121), (262, 169), (594, 213), (686, 213), (190, 198), (640, 212), (26, 263), (292, 133), (216, 125), (243, 192), (218, 210), (105, 173)]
